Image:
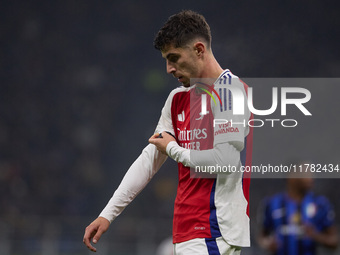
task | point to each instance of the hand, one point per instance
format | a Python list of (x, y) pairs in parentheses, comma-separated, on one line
[(328, 237), (161, 143), (269, 243), (310, 231), (95, 230)]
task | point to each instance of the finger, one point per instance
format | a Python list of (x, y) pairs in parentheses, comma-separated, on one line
[(165, 134), (98, 235), (168, 136), (88, 244), (156, 135), (154, 139), (89, 233)]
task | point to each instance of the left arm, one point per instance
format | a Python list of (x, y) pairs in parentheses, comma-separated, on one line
[(328, 237), (326, 234), (222, 153)]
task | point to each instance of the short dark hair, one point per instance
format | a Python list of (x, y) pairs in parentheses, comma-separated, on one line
[(181, 28)]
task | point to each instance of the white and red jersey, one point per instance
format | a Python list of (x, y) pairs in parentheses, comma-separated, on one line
[(209, 207), (204, 207)]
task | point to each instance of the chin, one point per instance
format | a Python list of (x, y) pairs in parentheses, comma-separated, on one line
[(186, 84)]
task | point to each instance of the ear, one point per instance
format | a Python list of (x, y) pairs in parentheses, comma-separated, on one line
[(199, 48)]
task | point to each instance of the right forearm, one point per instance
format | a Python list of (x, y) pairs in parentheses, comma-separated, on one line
[(223, 154), (134, 181)]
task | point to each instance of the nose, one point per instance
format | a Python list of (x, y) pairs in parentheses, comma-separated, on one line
[(170, 68)]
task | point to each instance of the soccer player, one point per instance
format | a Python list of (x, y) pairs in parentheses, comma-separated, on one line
[(296, 221), (211, 214)]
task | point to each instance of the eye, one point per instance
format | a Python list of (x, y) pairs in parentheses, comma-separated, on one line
[(173, 58)]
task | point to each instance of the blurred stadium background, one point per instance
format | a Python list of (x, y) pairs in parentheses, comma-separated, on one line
[(82, 89)]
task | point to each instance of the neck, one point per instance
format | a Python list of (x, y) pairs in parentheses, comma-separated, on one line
[(212, 68), (296, 194)]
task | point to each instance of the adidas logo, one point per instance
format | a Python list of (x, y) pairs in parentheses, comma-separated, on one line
[(181, 117)]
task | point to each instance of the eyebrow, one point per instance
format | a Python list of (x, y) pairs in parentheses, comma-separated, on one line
[(167, 56)]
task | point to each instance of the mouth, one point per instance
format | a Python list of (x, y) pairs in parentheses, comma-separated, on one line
[(183, 81), (180, 79)]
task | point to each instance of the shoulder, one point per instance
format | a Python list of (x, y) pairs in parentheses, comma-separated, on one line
[(226, 77), (178, 90), (275, 198), (228, 73), (321, 201), (322, 208), (230, 80), (172, 94)]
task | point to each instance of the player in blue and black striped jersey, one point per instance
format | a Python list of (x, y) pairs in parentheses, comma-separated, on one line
[(296, 221)]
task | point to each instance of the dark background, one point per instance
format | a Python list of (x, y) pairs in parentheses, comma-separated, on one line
[(81, 92)]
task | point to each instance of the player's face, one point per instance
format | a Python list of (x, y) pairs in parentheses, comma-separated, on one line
[(182, 63), (306, 184), (302, 184)]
